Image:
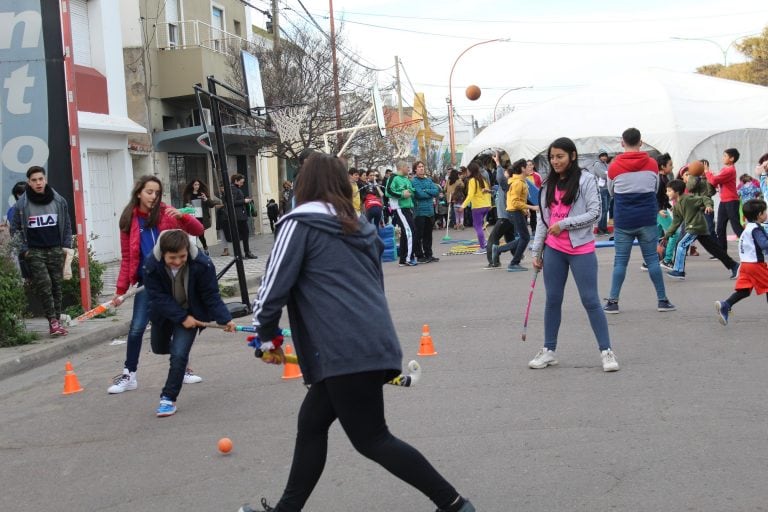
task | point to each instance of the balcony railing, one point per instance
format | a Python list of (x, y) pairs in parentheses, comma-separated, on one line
[(197, 34)]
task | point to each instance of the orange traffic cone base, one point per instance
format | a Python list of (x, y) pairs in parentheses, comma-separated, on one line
[(291, 370), (71, 384), (426, 347)]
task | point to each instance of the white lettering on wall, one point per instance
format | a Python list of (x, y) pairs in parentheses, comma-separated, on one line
[(33, 26), (11, 153), (16, 84)]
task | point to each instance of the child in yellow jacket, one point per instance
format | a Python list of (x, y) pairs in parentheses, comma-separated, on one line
[(517, 207)]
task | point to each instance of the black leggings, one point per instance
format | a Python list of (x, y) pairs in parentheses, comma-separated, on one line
[(739, 295), (357, 400)]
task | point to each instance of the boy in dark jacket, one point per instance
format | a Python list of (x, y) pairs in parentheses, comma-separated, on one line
[(183, 296), (689, 209)]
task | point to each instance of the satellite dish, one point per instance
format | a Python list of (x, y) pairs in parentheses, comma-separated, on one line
[(378, 109)]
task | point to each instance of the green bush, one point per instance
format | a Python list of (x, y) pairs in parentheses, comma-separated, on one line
[(13, 300), (70, 299)]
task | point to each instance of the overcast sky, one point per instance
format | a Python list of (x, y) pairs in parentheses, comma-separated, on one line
[(554, 45)]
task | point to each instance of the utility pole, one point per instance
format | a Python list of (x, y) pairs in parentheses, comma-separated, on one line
[(335, 75), (399, 92), (275, 26)]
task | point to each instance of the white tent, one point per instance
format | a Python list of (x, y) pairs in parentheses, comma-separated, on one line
[(688, 115)]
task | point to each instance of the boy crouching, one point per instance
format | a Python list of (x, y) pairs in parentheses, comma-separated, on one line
[(183, 295)]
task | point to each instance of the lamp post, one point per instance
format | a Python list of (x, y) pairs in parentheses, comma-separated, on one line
[(504, 94), (451, 132), (724, 51)]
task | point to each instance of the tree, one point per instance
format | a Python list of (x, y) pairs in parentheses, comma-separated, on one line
[(299, 72), (754, 71)]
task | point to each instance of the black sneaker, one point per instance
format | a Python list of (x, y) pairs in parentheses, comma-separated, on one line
[(611, 307), (432, 259), (665, 306), (423, 260)]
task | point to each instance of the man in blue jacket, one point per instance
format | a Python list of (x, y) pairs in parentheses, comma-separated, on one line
[(424, 192)]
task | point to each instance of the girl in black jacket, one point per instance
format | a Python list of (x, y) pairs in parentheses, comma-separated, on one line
[(326, 266)]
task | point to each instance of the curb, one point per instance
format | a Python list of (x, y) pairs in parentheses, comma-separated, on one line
[(64, 347)]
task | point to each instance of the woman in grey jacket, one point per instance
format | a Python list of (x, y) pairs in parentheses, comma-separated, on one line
[(326, 266), (570, 205)]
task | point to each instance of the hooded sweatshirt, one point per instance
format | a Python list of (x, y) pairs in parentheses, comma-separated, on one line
[(331, 282), (633, 180), (199, 283)]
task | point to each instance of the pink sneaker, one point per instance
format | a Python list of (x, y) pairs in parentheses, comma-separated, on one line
[(56, 328)]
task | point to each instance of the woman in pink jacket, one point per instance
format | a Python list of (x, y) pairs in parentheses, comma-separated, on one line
[(142, 220)]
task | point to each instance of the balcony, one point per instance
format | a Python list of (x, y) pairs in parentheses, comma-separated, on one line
[(189, 51)]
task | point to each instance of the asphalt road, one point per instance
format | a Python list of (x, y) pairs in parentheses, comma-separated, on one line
[(682, 426)]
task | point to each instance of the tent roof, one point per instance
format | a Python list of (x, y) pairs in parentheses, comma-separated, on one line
[(674, 111)]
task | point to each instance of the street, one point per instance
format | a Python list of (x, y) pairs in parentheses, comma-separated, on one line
[(682, 426)]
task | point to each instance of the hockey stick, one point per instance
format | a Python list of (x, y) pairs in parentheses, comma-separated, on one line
[(403, 380), (105, 306), (245, 328), (530, 300)]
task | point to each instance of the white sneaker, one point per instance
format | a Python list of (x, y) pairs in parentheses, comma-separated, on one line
[(191, 378), (610, 364), (544, 358), (126, 381)]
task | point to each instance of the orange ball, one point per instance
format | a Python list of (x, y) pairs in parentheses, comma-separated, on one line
[(225, 445), (695, 168), (473, 92)]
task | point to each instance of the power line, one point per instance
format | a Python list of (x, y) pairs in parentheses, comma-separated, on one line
[(516, 41), (340, 48), (533, 21)]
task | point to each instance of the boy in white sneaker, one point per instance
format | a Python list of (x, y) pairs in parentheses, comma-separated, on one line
[(753, 271), (183, 296)]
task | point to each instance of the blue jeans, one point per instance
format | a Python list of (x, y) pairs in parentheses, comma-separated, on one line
[(605, 197), (181, 340), (682, 250), (647, 237), (518, 245), (139, 323), (584, 269)]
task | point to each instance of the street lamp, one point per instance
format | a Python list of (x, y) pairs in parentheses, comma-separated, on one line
[(504, 94), (451, 133), (724, 51)]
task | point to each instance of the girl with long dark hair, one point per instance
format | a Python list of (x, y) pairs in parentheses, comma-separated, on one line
[(197, 194), (479, 196), (143, 219), (326, 266), (564, 241)]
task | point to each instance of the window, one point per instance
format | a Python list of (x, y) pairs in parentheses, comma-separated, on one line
[(81, 36), (237, 28), (172, 18), (217, 30)]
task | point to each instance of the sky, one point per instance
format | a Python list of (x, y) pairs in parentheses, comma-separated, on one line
[(554, 46)]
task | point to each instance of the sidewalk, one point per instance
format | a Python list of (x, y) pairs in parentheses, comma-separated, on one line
[(15, 360)]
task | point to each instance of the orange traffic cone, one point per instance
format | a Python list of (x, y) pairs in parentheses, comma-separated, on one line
[(426, 348), (290, 370), (71, 384)]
